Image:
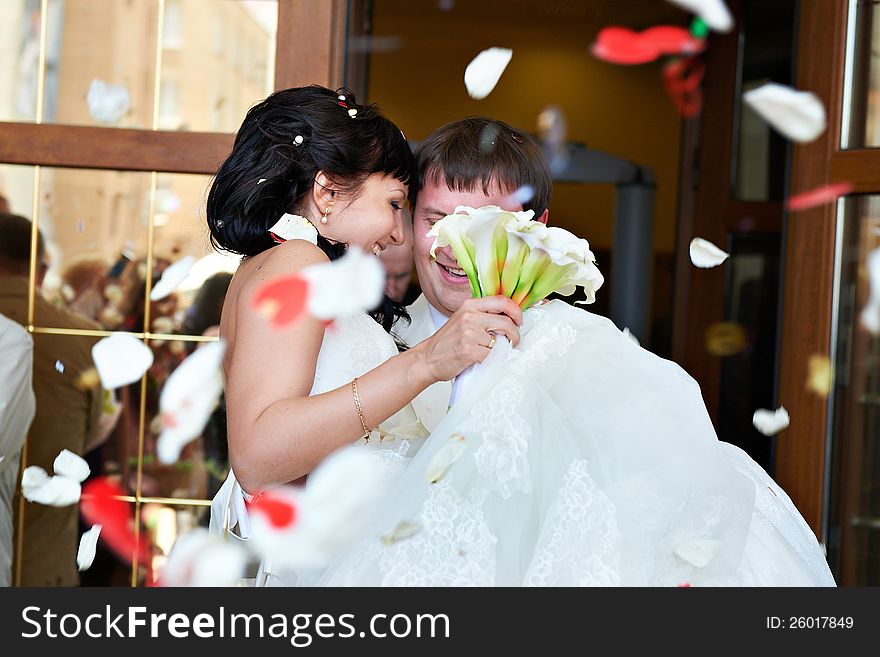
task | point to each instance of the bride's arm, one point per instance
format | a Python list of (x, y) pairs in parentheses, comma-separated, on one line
[(277, 433)]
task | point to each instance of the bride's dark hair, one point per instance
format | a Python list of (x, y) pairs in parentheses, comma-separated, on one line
[(286, 140)]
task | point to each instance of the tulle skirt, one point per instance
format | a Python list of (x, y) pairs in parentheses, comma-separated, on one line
[(582, 460)]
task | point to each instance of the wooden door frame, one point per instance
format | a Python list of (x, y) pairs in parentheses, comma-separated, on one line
[(310, 46)]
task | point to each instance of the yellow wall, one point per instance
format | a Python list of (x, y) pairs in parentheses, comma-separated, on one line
[(622, 110)]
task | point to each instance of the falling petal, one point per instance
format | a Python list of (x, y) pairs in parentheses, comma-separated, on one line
[(445, 457), (725, 339), (405, 529), (188, 398), (870, 316), (200, 558), (88, 544), (620, 45), (704, 254), (714, 12), (819, 376), (520, 196), (292, 227), (799, 115), (172, 277), (101, 505), (684, 585), (354, 283), (59, 367), (771, 422), (280, 511), (698, 552), (108, 103), (484, 71), (121, 359), (68, 464), (282, 300), (39, 487), (306, 528), (818, 196)]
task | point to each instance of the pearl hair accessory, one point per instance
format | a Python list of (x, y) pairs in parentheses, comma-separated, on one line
[(298, 140)]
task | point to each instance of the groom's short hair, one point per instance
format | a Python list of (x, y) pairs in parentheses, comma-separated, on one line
[(480, 152)]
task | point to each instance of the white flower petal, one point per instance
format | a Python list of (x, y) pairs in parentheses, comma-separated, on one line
[(68, 464), (404, 529), (354, 283), (295, 227), (37, 486), (770, 422), (443, 459), (173, 276), (484, 71), (870, 316), (108, 103), (799, 115), (200, 558), (188, 398), (330, 511), (121, 359), (705, 254), (713, 12), (698, 551), (88, 544)]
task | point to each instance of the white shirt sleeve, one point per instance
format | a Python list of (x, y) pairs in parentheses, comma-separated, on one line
[(17, 404)]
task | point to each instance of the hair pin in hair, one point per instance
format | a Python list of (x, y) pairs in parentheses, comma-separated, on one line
[(297, 140), (261, 181)]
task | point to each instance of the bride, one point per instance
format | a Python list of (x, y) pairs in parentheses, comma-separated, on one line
[(582, 458)]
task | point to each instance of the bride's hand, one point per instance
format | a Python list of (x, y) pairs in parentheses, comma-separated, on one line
[(466, 337)]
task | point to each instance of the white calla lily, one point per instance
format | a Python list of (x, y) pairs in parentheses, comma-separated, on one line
[(509, 253)]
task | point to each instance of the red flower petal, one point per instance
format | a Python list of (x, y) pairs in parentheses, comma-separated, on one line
[(282, 300), (682, 79), (280, 512), (620, 45), (685, 585), (819, 196), (100, 504), (672, 40)]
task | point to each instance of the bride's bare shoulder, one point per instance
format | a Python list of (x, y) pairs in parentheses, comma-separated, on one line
[(286, 258)]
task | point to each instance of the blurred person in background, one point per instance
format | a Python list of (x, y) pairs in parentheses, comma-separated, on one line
[(397, 259), (68, 413)]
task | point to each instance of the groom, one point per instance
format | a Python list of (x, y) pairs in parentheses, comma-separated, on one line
[(474, 161)]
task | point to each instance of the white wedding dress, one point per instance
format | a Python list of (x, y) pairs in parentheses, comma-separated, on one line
[(588, 461)]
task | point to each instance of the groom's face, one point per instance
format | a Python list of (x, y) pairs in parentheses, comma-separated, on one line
[(442, 280)]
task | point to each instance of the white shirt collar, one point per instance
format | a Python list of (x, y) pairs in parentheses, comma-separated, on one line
[(439, 318)]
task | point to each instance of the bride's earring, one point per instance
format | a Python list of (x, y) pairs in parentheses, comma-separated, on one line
[(324, 218)]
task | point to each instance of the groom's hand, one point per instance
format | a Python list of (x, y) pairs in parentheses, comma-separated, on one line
[(468, 335)]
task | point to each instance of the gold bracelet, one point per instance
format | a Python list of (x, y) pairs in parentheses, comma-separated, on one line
[(357, 403)]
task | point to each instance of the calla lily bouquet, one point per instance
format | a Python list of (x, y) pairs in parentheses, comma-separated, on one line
[(510, 254)]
